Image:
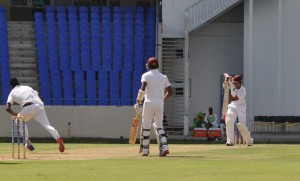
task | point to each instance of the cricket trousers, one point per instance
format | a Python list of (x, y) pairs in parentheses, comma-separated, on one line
[(37, 112)]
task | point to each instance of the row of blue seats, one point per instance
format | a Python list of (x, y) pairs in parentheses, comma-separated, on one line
[(4, 57), (109, 50), (95, 44), (81, 87), (95, 9)]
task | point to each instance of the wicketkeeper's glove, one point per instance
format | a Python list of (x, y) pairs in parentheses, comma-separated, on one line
[(138, 108)]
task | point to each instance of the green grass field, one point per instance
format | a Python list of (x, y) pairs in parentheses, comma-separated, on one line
[(122, 162)]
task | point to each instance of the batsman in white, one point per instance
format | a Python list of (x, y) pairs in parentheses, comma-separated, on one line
[(156, 89), (32, 107), (237, 109)]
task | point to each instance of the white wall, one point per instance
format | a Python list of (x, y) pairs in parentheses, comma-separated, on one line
[(86, 121), (215, 49), (272, 68), (173, 16)]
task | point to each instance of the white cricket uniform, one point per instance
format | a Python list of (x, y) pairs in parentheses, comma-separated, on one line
[(153, 107), (25, 94), (237, 109)]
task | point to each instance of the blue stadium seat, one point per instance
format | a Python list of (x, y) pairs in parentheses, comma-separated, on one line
[(94, 9), (74, 39), (137, 74), (107, 38), (150, 33), (95, 44), (91, 88), (114, 88), (72, 9), (95, 17), (50, 9), (103, 88), (79, 87), (83, 9), (117, 38), (63, 39), (107, 49), (68, 87), (61, 9), (56, 87), (140, 10), (128, 39), (126, 88), (105, 9)]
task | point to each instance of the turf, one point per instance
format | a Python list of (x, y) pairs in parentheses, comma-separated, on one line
[(205, 162)]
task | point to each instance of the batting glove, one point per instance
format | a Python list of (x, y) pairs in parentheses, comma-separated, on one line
[(138, 108)]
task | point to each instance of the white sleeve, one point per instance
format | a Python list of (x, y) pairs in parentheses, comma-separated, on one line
[(144, 78), (241, 94), (10, 99), (167, 82)]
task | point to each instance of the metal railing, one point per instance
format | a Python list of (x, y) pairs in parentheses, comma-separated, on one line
[(204, 10), (21, 3)]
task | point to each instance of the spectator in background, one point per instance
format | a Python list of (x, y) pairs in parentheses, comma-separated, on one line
[(211, 119), (199, 120)]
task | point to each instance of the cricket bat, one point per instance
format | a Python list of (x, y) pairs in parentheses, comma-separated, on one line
[(226, 95), (134, 129)]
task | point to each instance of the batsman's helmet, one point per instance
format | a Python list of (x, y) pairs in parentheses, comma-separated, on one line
[(152, 63), (237, 78)]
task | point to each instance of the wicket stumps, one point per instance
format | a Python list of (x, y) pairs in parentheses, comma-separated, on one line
[(16, 121)]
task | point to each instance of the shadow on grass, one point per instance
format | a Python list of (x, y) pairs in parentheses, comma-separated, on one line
[(122, 140), (50, 153), (186, 156), (8, 163)]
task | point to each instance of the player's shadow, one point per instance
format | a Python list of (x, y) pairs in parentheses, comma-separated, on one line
[(8, 163), (52, 153), (180, 156), (186, 156)]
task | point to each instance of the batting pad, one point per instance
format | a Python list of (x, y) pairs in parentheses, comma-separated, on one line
[(160, 136), (230, 128), (244, 131)]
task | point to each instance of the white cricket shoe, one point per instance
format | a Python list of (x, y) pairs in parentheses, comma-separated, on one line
[(229, 144), (145, 152), (250, 143)]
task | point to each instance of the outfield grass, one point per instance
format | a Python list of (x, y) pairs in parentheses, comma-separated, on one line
[(186, 162)]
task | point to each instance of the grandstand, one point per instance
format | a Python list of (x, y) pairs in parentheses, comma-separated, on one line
[(80, 50)]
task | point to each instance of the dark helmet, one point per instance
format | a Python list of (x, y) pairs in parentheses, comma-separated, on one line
[(152, 63), (237, 78)]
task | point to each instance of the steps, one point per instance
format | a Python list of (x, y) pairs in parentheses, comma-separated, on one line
[(172, 66), (22, 52)]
